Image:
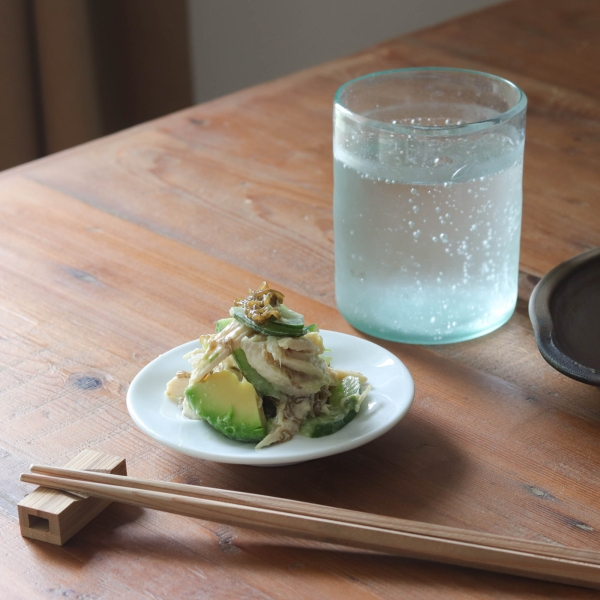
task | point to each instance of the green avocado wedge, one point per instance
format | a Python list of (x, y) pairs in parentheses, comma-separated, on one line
[(345, 402), (231, 406)]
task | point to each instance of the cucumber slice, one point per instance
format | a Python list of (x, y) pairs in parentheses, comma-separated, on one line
[(222, 323), (290, 327), (326, 424), (347, 387), (344, 404), (290, 317), (261, 385)]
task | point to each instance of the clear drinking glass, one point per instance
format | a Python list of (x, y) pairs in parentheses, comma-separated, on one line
[(428, 168)]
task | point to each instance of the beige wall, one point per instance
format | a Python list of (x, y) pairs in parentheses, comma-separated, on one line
[(237, 43)]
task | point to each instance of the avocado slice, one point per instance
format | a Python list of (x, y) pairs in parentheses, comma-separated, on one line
[(231, 406), (344, 404)]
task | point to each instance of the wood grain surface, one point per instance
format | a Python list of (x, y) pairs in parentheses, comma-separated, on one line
[(116, 251)]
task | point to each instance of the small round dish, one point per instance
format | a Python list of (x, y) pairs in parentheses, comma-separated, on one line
[(387, 402), (565, 313)]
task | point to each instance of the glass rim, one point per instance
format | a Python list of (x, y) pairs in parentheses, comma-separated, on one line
[(463, 128)]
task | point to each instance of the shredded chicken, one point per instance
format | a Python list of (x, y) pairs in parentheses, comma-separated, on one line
[(176, 387), (176, 392), (298, 372), (218, 349), (339, 374), (290, 415)]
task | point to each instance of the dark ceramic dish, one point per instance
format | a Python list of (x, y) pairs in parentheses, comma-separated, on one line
[(565, 312)]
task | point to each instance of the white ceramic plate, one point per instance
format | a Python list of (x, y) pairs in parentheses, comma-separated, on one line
[(387, 402)]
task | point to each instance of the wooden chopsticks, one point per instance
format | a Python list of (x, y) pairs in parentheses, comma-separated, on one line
[(410, 539)]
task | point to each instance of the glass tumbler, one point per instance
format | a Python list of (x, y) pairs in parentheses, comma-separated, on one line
[(428, 169)]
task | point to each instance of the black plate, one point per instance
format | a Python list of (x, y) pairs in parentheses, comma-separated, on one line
[(565, 313)]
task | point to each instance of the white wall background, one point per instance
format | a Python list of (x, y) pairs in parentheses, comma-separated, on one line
[(238, 43)]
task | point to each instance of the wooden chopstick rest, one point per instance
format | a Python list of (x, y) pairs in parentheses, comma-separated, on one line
[(55, 516), (559, 566)]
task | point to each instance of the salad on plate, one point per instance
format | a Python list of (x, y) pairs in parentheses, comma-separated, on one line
[(264, 376)]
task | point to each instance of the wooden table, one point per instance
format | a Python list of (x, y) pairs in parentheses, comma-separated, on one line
[(115, 251)]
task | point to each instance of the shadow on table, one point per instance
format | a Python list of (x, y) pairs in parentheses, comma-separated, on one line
[(189, 549), (408, 473), (383, 574)]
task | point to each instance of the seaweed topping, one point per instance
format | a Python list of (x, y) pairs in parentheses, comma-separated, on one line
[(261, 305)]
